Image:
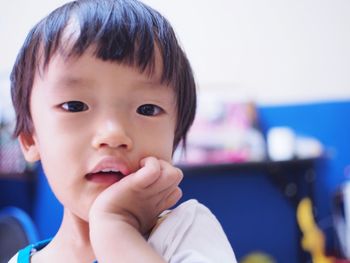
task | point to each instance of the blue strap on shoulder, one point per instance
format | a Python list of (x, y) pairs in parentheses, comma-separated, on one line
[(25, 253)]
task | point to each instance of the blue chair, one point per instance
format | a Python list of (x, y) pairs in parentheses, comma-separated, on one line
[(17, 230)]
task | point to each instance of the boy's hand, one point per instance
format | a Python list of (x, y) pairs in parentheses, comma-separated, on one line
[(139, 198)]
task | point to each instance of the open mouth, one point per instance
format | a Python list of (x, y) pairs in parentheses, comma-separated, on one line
[(105, 177)]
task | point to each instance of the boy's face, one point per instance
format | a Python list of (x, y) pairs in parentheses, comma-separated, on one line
[(91, 116)]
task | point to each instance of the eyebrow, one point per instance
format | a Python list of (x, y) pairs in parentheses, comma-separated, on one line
[(71, 81)]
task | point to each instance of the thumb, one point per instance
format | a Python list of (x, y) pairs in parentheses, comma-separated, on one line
[(148, 173)]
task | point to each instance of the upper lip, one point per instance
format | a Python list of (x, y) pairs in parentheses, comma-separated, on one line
[(111, 164)]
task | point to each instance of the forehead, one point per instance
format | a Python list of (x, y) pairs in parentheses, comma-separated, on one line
[(87, 74)]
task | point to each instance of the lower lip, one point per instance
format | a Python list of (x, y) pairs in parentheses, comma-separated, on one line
[(104, 178)]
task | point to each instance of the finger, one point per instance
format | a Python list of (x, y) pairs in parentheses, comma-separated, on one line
[(148, 174), (170, 177), (166, 166), (171, 199)]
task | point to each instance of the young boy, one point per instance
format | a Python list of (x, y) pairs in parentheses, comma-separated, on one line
[(103, 95)]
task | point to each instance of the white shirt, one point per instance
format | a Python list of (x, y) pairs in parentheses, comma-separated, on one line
[(189, 234)]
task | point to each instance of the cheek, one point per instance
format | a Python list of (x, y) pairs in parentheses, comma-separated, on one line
[(60, 149), (157, 143)]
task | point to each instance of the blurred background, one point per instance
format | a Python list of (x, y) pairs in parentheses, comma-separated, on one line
[(272, 126)]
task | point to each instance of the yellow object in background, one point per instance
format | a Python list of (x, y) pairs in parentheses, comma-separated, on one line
[(257, 257), (313, 240)]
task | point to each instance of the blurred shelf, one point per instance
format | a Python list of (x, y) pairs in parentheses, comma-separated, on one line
[(26, 175), (294, 178), (271, 167)]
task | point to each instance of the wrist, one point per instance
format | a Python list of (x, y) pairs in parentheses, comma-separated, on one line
[(114, 238), (100, 220)]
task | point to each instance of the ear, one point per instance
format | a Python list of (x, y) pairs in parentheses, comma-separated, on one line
[(29, 147)]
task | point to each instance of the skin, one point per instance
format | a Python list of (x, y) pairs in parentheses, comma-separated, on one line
[(87, 112)]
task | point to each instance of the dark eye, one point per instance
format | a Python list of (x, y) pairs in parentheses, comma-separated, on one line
[(74, 106), (149, 110)]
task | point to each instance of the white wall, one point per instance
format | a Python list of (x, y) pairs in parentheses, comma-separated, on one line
[(17, 17), (271, 51), (267, 50)]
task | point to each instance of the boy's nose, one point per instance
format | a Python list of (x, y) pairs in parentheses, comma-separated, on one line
[(112, 135)]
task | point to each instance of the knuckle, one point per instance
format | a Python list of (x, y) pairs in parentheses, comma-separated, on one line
[(180, 174), (180, 193), (177, 175)]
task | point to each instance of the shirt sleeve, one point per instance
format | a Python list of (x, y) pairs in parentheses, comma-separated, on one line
[(191, 234), (13, 259)]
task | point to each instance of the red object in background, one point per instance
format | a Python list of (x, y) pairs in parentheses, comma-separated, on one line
[(342, 261)]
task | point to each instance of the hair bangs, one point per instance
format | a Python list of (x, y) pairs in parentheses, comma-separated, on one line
[(130, 33)]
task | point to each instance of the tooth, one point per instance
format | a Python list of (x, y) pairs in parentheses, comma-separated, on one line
[(109, 170)]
